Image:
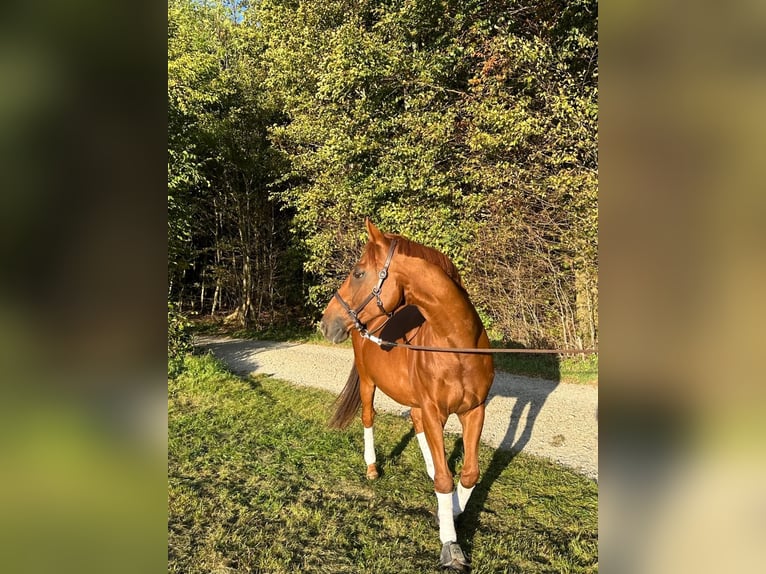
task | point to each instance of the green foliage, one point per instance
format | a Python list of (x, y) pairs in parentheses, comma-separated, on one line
[(228, 241), (179, 340), (192, 68), (468, 126), (258, 483), (371, 130)]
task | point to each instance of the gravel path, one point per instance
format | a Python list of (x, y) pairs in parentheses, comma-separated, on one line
[(554, 420)]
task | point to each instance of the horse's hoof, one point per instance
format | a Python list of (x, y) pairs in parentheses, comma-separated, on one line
[(372, 472), (453, 558)]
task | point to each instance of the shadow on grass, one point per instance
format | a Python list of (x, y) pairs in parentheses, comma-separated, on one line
[(470, 521), (396, 452)]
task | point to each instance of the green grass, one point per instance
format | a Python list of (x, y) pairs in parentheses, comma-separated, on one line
[(258, 483)]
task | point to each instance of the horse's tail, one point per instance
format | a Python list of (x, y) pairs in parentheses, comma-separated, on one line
[(348, 401)]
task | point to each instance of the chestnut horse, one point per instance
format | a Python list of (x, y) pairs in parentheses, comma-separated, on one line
[(406, 291)]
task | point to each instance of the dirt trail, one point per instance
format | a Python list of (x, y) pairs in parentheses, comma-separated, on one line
[(545, 418)]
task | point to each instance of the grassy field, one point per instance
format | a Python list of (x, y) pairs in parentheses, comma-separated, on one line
[(258, 483), (567, 369)]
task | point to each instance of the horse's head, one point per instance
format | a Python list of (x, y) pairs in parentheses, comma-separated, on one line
[(370, 291)]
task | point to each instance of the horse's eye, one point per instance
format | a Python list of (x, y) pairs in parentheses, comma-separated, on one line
[(358, 274)]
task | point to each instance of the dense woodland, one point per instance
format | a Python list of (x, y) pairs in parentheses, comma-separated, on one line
[(468, 125)]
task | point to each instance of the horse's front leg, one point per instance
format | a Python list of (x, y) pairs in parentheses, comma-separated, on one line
[(367, 394), (452, 556)]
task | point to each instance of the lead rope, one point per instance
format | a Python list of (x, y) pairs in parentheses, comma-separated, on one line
[(383, 343)]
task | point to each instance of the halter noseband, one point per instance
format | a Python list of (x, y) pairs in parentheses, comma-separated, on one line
[(354, 313)]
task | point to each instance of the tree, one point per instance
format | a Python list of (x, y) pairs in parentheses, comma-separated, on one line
[(468, 126), (225, 228)]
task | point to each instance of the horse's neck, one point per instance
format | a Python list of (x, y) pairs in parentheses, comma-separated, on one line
[(444, 305)]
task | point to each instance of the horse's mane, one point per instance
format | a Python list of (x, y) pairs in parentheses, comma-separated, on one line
[(413, 249)]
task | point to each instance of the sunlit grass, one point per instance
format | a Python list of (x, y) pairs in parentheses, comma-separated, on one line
[(258, 483)]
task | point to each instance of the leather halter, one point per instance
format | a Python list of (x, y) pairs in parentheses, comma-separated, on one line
[(375, 294)]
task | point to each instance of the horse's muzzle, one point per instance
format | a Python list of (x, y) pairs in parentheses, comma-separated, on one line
[(334, 329)]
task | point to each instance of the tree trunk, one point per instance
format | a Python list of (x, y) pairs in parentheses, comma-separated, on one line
[(202, 294), (586, 328)]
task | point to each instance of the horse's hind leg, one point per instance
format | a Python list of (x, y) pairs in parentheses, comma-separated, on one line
[(367, 394), (417, 422), (472, 422)]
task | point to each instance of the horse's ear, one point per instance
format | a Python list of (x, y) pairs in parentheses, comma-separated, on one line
[(376, 236)]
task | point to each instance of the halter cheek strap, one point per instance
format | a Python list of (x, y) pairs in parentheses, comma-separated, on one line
[(382, 274)]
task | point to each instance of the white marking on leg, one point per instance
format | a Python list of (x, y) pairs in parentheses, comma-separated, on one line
[(460, 498), (421, 436), (369, 446), (446, 520)]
